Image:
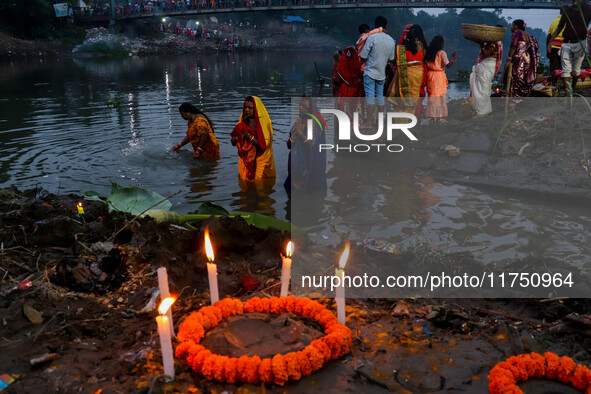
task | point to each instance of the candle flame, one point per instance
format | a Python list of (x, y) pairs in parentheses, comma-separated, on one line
[(344, 256), (289, 249), (165, 304), (208, 246), (80, 204)]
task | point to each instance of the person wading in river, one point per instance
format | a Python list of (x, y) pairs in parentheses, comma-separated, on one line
[(253, 136), (199, 133)]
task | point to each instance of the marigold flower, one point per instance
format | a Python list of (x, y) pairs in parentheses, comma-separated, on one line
[(229, 307), (191, 329), (504, 376), (538, 365), (220, 367), (552, 361), (193, 351), (209, 365), (566, 367), (275, 306), (248, 369), (266, 370), (183, 349), (314, 356), (304, 363), (199, 360), (279, 369), (581, 378), (293, 366), (322, 348), (231, 370)]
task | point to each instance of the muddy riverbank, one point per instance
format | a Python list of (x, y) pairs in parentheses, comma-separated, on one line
[(99, 42), (82, 322)]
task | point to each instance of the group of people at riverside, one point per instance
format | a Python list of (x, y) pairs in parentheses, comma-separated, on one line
[(381, 70), (376, 68)]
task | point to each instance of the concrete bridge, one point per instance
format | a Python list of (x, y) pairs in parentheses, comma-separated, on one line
[(197, 7)]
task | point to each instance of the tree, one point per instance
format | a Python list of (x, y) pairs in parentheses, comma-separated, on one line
[(26, 18)]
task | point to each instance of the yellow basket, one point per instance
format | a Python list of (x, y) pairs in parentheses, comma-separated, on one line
[(483, 33)]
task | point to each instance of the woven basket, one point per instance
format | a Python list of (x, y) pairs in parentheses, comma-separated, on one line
[(483, 33)]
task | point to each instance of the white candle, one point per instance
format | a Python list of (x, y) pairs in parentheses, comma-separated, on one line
[(286, 269), (212, 270), (165, 293), (340, 290), (212, 275), (165, 341)]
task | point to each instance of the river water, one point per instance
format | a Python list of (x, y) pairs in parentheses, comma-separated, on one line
[(71, 125)]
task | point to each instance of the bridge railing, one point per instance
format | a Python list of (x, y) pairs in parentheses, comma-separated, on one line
[(167, 8)]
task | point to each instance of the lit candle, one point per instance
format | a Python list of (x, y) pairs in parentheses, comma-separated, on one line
[(165, 341), (80, 209), (165, 293), (340, 290), (212, 270), (286, 269)]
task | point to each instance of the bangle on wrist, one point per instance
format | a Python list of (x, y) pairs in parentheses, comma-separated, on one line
[(251, 138), (200, 148)]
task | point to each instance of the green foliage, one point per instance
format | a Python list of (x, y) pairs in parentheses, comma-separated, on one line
[(132, 199), (543, 68), (254, 219), (276, 78), (25, 18), (33, 19), (463, 74), (105, 49), (114, 102)]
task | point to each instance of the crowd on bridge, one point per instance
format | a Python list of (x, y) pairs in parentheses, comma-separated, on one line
[(221, 34), (153, 7)]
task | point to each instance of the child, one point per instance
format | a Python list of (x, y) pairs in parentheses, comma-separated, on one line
[(436, 60), (364, 35)]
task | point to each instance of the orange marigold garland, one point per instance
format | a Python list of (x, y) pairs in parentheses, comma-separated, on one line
[(281, 367), (504, 376)]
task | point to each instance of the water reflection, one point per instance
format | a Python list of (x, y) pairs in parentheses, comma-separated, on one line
[(202, 179), (255, 196), (408, 206), (77, 124), (57, 131)]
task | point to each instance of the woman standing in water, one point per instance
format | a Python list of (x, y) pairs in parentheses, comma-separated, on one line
[(199, 133), (253, 136)]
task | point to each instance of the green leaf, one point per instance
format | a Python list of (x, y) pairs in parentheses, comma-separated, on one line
[(132, 199), (208, 208), (254, 219), (135, 200), (264, 222), (91, 195)]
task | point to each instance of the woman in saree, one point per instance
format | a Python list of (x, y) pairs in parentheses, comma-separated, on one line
[(482, 76), (306, 162), (525, 58), (436, 61), (351, 77), (253, 136), (410, 74), (199, 133)]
